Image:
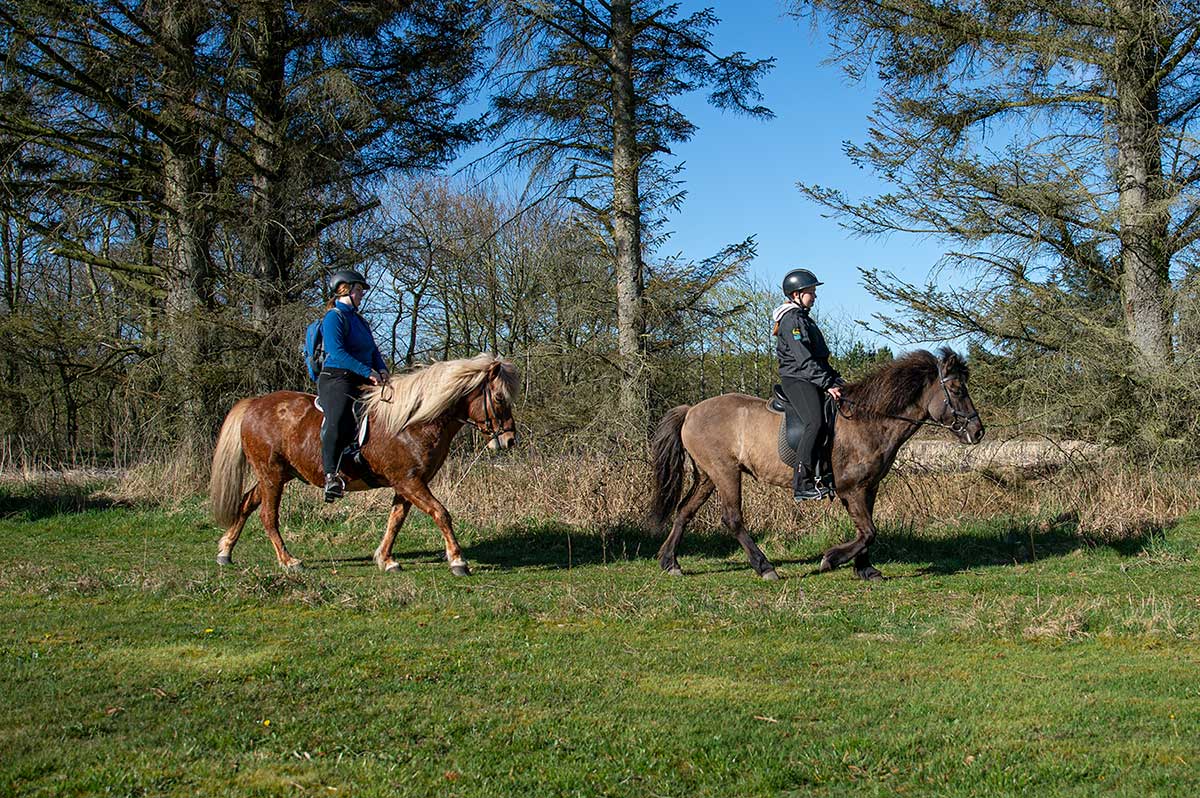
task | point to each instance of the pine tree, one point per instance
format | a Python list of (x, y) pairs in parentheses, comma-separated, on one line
[(1048, 144)]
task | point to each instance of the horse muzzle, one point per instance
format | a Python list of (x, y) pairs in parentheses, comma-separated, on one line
[(972, 434), (504, 440)]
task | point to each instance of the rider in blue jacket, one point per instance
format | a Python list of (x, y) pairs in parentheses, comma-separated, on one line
[(352, 361)]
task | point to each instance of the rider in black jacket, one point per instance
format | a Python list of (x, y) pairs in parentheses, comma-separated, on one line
[(804, 371)]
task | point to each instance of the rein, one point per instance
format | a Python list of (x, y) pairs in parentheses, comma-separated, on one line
[(961, 419)]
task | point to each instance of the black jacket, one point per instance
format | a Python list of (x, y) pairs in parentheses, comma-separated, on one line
[(803, 353)]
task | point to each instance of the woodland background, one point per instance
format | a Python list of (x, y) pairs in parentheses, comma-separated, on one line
[(178, 177)]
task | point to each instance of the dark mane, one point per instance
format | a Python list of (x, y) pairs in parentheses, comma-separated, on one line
[(897, 385)]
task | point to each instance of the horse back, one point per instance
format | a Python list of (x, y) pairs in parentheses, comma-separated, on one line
[(284, 426), (735, 430)]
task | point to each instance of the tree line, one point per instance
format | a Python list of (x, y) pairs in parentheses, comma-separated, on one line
[(179, 175)]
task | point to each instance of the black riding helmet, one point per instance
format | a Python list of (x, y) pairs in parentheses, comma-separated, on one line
[(798, 280), (346, 276)]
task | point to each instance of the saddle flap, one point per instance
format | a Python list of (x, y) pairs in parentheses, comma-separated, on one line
[(778, 401)]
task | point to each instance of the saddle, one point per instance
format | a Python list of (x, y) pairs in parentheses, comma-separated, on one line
[(792, 425), (352, 466)]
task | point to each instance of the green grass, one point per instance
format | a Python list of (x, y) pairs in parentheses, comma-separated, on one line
[(999, 657)]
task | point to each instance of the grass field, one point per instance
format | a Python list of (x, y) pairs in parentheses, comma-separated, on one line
[(1000, 657)]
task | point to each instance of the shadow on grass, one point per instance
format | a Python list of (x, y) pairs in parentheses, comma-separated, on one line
[(553, 545), (1007, 543), (46, 499)]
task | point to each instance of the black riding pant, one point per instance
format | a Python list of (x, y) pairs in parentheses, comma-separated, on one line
[(807, 399), (337, 390)]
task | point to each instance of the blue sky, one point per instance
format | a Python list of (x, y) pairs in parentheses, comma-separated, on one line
[(741, 174)]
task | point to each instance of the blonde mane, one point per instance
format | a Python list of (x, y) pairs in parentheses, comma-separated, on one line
[(430, 391)]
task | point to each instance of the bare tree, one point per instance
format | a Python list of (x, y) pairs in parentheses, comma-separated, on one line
[(584, 90)]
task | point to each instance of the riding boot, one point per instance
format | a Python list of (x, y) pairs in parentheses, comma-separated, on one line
[(335, 487), (803, 487)]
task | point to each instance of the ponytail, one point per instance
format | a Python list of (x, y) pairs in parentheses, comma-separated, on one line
[(342, 290)]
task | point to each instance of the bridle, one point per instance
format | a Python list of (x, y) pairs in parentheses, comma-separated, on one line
[(490, 426), (961, 420)]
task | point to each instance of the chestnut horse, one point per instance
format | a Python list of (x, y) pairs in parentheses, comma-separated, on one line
[(412, 420), (732, 434)]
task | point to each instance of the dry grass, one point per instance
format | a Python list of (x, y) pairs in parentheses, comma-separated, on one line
[(1053, 484), (1100, 495)]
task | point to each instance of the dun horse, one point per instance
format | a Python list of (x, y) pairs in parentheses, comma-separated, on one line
[(732, 434), (412, 420)]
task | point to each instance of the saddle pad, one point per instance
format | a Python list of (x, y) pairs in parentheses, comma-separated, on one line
[(786, 453)]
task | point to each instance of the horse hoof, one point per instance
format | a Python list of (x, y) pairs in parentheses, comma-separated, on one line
[(826, 565), (460, 570), (770, 576), (294, 566), (392, 568), (224, 559), (674, 570), (871, 574)]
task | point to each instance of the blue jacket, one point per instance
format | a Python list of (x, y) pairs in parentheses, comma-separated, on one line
[(348, 342)]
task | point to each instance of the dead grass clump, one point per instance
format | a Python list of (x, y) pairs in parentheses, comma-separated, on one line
[(165, 480), (1058, 621)]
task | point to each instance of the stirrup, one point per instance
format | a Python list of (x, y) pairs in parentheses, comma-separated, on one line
[(809, 492)]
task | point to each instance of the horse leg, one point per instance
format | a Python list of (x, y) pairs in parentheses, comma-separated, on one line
[(856, 506), (701, 490), (250, 501), (862, 561), (272, 493), (427, 503), (383, 554), (729, 487)]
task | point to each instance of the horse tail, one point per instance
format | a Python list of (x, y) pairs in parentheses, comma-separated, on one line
[(668, 454), (228, 467)]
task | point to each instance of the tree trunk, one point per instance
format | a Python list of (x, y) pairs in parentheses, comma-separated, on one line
[(187, 271), (627, 225), (410, 352), (270, 252), (12, 256), (1142, 209), (269, 235)]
